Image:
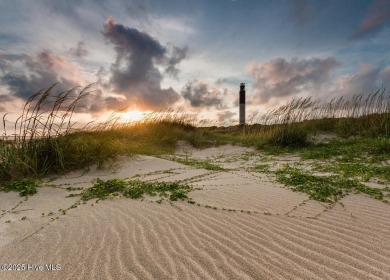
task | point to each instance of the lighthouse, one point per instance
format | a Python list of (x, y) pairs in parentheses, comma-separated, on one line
[(242, 104)]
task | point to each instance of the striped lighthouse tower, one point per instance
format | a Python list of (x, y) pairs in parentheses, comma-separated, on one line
[(242, 103)]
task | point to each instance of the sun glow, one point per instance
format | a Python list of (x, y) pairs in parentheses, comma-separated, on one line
[(133, 116)]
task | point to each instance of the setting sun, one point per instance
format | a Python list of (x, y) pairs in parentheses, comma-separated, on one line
[(132, 116)]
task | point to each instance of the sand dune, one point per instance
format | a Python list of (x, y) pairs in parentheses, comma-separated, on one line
[(279, 234)]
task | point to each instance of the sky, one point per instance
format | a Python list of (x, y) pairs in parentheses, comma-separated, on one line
[(191, 56)]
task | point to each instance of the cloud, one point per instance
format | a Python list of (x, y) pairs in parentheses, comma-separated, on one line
[(386, 76), (302, 12), (68, 8), (366, 80), (174, 24), (377, 15), (134, 77), (5, 100), (25, 75), (135, 74), (201, 94), (231, 81), (177, 55), (280, 78), (221, 81), (226, 116), (80, 50), (7, 60)]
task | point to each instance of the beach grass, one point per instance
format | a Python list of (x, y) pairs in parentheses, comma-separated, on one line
[(45, 142)]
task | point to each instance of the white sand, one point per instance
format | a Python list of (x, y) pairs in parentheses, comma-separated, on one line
[(285, 235)]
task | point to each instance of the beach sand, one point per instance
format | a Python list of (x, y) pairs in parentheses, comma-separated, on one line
[(260, 229)]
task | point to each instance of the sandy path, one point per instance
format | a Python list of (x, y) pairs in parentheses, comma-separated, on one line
[(284, 235)]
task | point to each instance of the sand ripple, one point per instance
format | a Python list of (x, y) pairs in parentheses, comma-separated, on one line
[(278, 234), (123, 239)]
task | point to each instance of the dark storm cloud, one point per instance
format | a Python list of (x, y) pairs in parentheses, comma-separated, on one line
[(281, 78), (201, 94), (377, 16), (25, 75), (79, 51), (135, 73), (38, 72), (302, 12), (177, 55)]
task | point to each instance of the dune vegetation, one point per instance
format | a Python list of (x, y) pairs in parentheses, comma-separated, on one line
[(44, 140)]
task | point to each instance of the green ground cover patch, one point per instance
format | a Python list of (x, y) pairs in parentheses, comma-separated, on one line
[(205, 164), (135, 189), (364, 149), (25, 187), (349, 150), (262, 168), (364, 171), (324, 188)]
